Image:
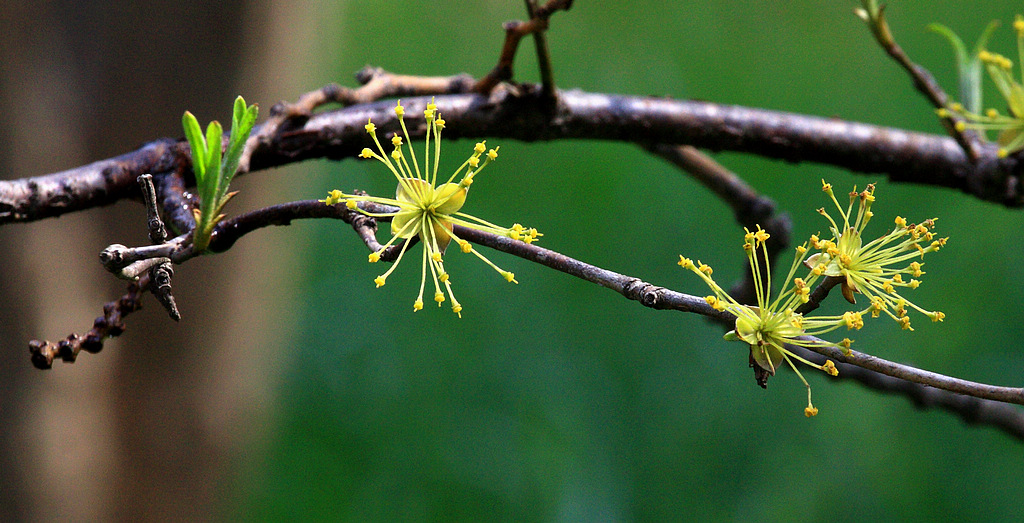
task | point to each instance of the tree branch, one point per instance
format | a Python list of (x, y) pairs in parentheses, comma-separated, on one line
[(903, 156), (923, 80), (514, 32), (660, 298), (110, 324), (295, 133), (913, 383)]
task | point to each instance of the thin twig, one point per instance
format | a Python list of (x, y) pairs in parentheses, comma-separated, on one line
[(157, 233), (974, 411), (159, 275), (230, 230), (540, 42), (514, 32), (175, 202), (924, 82), (923, 377), (376, 84), (110, 324), (819, 293)]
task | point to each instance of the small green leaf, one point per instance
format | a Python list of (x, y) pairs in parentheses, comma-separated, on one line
[(238, 111), (968, 65), (208, 190), (242, 121), (196, 142), (985, 35), (215, 169), (954, 40)]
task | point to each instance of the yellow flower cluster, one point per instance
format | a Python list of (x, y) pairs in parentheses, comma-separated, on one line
[(427, 210), (875, 269), (1010, 126), (866, 268)]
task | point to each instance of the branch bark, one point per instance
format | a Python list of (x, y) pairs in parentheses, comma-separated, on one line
[(901, 155), (295, 134)]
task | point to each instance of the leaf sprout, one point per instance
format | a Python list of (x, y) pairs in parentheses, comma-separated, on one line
[(1000, 69), (213, 171)]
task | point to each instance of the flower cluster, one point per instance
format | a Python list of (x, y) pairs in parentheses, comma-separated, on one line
[(427, 210), (771, 325), (1000, 70), (875, 269)]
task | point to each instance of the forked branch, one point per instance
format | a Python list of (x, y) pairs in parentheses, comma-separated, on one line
[(486, 108)]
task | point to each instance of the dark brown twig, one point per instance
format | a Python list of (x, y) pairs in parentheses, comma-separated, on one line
[(540, 42), (376, 83), (109, 325), (819, 293), (157, 233), (159, 275), (924, 82), (904, 156), (175, 202), (514, 32), (232, 229)]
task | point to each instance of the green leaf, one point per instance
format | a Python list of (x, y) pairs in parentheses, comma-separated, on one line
[(196, 142), (208, 189), (242, 121), (214, 169), (968, 65), (985, 35), (954, 40)]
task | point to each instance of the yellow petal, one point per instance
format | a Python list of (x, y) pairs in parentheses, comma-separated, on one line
[(452, 198), (422, 192)]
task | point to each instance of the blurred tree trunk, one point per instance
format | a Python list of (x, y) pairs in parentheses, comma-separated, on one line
[(151, 425)]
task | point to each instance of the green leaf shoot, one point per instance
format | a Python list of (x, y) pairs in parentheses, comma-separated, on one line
[(196, 142), (968, 64), (242, 120), (214, 170)]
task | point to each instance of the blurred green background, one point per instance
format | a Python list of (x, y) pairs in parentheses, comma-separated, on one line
[(556, 399)]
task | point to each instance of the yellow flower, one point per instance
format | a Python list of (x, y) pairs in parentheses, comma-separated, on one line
[(875, 268), (771, 325), (428, 210)]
